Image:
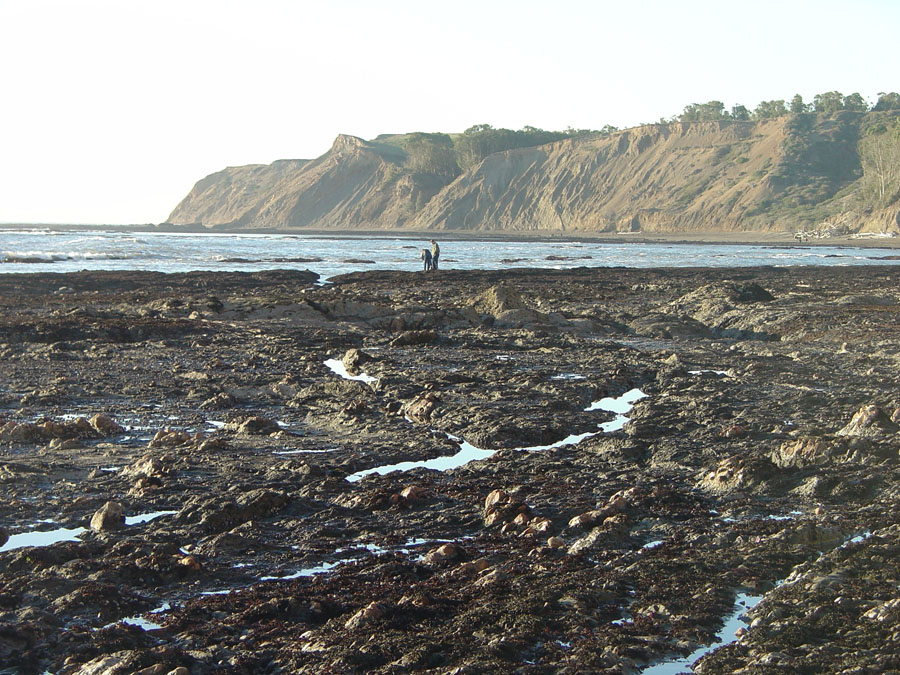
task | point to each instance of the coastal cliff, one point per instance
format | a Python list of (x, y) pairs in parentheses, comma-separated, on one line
[(783, 174), (354, 185)]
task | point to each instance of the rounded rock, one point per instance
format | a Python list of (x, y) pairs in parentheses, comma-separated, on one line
[(109, 517)]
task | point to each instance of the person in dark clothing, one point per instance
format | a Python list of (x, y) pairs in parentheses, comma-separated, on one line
[(435, 253), (426, 256)]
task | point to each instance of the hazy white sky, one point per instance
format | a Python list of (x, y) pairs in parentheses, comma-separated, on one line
[(112, 109)]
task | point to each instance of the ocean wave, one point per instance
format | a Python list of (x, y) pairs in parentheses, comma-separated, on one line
[(252, 261), (62, 256)]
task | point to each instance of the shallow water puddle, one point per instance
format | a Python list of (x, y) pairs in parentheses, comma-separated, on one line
[(38, 538), (140, 621), (302, 452), (309, 571), (362, 549), (340, 369), (469, 453), (42, 538), (726, 635), (858, 539), (626, 617), (147, 517), (791, 515), (568, 440), (621, 406)]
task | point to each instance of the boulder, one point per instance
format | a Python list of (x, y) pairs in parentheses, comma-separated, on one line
[(353, 359), (109, 517), (885, 611), (148, 466), (836, 450), (220, 400), (591, 518), (29, 432), (414, 337), (413, 493), (495, 497), (720, 295), (738, 473), (218, 516), (750, 292), (26, 432), (442, 554), (607, 535), (519, 318), (171, 438), (808, 533), (351, 310), (870, 420), (108, 664), (371, 612), (105, 425), (801, 452), (668, 326), (501, 508), (497, 299), (421, 407), (253, 426)]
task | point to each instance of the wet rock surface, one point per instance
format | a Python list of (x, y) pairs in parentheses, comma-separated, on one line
[(187, 436)]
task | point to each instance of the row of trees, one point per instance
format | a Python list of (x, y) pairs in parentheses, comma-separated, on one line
[(481, 140), (448, 156), (827, 103)]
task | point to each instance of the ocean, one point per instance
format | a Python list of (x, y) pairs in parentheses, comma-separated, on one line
[(47, 250)]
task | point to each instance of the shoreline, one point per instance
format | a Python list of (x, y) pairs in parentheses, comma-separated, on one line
[(671, 238)]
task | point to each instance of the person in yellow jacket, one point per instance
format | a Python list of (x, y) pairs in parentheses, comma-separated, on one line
[(435, 252)]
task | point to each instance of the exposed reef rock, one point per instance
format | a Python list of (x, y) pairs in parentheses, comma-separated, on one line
[(534, 471)]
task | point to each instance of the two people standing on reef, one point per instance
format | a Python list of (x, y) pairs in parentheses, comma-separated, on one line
[(431, 257)]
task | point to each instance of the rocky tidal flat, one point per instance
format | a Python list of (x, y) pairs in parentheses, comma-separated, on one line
[(232, 472)]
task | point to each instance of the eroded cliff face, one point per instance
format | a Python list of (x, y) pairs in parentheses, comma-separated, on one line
[(232, 196), (712, 176), (665, 177), (353, 185)]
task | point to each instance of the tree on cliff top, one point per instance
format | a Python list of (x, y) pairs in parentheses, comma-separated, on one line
[(888, 101), (879, 154), (711, 111), (769, 109), (481, 140), (432, 154)]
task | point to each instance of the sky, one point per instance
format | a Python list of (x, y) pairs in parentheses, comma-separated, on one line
[(111, 110)]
